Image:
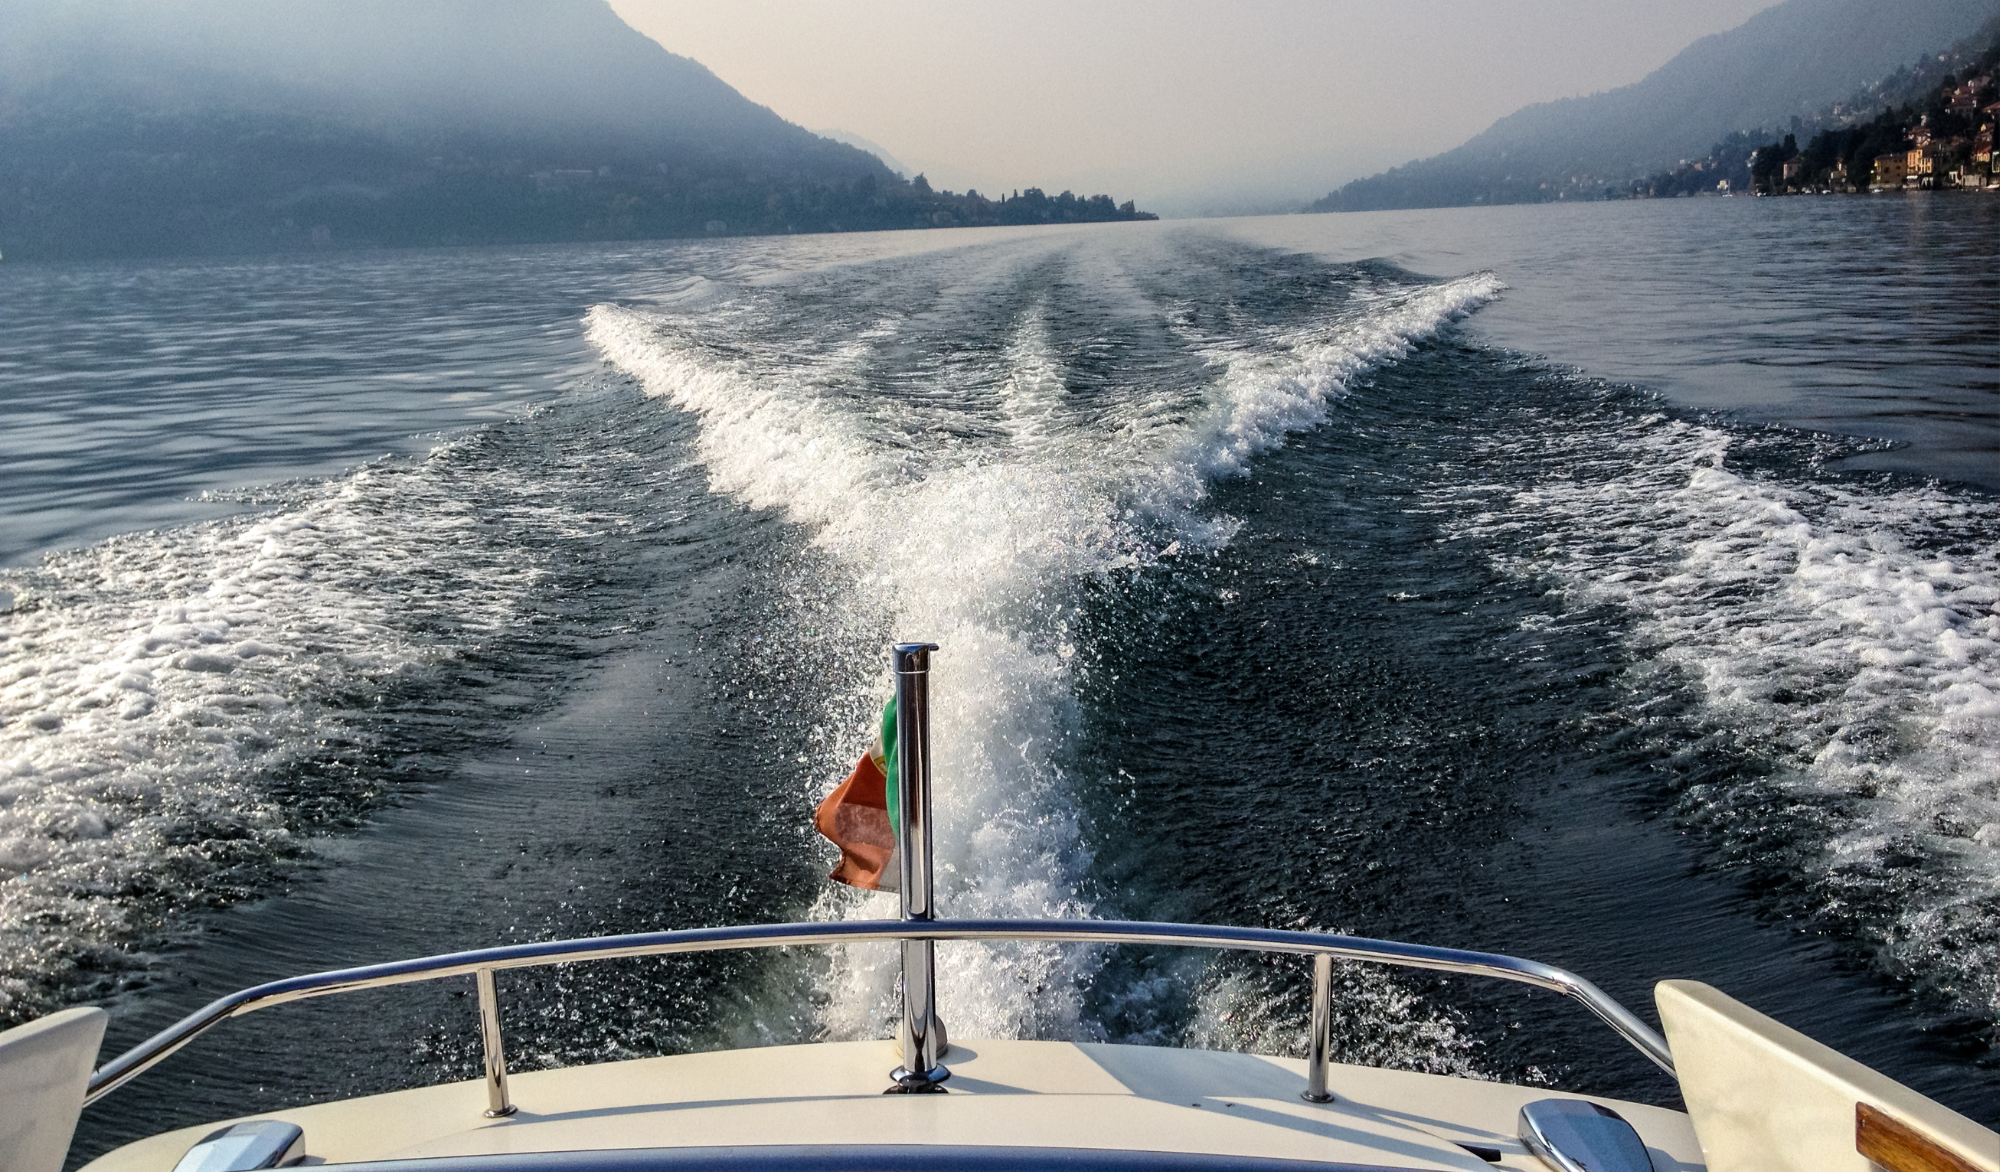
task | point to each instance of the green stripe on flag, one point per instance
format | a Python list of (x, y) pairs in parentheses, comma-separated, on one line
[(894, 782)]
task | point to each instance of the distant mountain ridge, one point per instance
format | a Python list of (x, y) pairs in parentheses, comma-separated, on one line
[(1780, 64), (522, 68), (859, 143), (145, 127)]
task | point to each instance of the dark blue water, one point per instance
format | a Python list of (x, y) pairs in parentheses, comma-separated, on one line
[(1387, 574), (1861, 317)]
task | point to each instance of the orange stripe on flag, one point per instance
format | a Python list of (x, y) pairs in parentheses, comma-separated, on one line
[(855, 817)]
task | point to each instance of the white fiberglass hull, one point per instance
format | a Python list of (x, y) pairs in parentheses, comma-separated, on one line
[(1001, 1094)]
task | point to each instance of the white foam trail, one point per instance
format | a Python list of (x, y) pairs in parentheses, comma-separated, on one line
[(1820, 629), (1268, 392), (979, 547), (1008, 848), (1376, 1022), (148, 684), (1033, 394)]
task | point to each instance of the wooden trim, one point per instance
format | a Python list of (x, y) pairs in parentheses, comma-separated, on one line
[(1898, 1147)]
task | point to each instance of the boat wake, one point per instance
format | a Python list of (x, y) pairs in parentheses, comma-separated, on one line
[(1047, 452), (1840, 645), (182, 711), (970, 488)]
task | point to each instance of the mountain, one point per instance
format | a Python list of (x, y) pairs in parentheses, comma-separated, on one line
[(1941, 92), (1778, 66), (536, 70), (148, 127), (854, 140)]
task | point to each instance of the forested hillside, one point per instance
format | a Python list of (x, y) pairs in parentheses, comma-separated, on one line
[(1782, 64), (1944, 99), (144, 127)]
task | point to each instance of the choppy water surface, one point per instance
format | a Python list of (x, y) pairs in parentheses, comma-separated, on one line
[(1283, 576)]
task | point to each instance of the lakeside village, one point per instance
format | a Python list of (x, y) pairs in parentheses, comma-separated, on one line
[(1943, 143), (1929, 157)]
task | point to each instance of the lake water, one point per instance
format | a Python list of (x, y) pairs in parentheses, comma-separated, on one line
[(1616, 585)]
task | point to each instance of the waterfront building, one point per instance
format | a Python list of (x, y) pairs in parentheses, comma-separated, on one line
[(1920, 166)]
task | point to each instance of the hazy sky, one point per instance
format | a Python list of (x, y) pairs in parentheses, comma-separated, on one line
[(1181, 104)]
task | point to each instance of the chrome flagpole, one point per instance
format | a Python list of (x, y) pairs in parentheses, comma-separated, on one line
[(923, 1035)]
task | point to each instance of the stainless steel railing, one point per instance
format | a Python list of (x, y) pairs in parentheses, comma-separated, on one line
[(482, 964), (917, 932)]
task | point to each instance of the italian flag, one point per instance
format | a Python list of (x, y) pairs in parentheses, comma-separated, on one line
[(861, 815)]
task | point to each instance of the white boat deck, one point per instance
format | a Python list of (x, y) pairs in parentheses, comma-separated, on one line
[(1001, 1093)]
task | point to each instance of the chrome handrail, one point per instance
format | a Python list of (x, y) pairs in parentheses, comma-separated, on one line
[(138, 1059)]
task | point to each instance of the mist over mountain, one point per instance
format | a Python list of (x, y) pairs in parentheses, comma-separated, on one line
[(177, 126), (880, 152), (526, 70), (1780, 65)]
